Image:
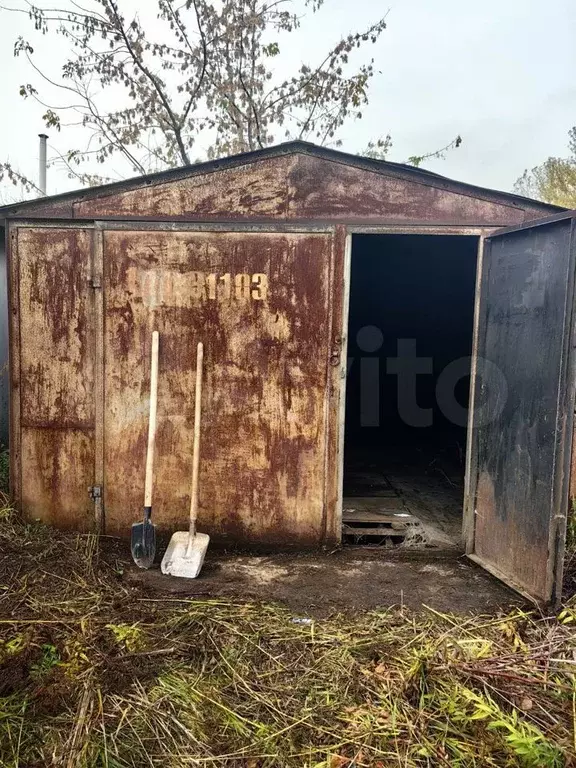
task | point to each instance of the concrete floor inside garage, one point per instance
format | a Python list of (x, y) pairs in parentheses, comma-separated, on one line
[(418, 491)]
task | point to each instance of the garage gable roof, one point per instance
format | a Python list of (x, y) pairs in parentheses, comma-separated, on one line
[(83, 203)]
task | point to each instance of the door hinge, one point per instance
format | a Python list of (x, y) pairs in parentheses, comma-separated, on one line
[(95, 492), (336, 351)]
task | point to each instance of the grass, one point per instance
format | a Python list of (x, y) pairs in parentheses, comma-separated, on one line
[(96, 673)]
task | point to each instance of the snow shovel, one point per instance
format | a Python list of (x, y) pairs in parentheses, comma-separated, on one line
[(186, 551), (143, 538)]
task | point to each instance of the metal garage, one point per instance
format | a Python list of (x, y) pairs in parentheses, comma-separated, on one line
[(301, 269)]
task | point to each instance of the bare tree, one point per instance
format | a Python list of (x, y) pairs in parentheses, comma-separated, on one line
[(197, 80)]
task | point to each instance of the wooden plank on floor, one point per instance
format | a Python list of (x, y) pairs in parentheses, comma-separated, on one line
[(348, 530), (370, 511), (371, 516)]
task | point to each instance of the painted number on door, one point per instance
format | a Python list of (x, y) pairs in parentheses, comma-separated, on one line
[(227, 286), (173, 288)]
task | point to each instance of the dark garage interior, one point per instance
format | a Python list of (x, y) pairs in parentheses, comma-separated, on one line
[(409, 345)]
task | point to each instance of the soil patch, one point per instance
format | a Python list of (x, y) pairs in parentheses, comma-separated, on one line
[(349, 580)]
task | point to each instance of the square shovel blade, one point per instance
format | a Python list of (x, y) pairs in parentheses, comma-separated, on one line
[(143, 543), (177, 561)]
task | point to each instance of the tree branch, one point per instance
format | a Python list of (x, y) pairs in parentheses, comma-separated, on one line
[(141, 66)]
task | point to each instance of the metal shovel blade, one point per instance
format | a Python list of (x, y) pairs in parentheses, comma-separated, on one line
[(143, 543), (182, 560)]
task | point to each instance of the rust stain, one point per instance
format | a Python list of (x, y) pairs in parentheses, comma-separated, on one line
[(334, 386), (56, 364), (301, 187), (329, 190), (56, 375), (263, 442), (503, 537), (255, 189), (58, 470)]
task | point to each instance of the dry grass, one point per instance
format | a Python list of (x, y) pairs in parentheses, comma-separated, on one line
[(95, 674)]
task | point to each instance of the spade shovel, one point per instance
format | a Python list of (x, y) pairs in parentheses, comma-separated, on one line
[(143, 538), (186, 550)]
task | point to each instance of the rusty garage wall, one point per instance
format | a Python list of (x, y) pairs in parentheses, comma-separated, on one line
[(303, 187), (246, 255), (290, 182), (52, 371), (261, 305)]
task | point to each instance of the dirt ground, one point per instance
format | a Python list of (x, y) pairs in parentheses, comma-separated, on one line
[(102, 664), (347, 580)]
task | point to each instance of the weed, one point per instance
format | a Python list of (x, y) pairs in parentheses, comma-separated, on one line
[(12, 645), (48, 660), (130, 636), (97, 674)]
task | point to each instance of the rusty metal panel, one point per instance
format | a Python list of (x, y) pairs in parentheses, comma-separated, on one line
[(256, 189), (14, 363), (303, 187), (56, 374), (523, 406), (58, 469), (51, 207), (336, 383), (331, 190), (261, 304), (264, 183)]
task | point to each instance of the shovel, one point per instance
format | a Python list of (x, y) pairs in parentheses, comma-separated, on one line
[(186, 551), (143, 538)]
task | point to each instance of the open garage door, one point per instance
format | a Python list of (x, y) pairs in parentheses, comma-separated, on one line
[(522, 406)]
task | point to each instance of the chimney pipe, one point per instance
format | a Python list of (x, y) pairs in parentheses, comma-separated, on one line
[(42, 164)]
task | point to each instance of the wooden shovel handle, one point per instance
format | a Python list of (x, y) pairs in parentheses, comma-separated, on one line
[(152, 420), (196, 446)]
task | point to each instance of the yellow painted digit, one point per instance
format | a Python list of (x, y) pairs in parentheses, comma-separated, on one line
[(211, 283), (226, 281), (211, 286), (260, 286), (242, 286)]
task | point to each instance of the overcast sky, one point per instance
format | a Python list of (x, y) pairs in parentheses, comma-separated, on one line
[(502, 73)]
